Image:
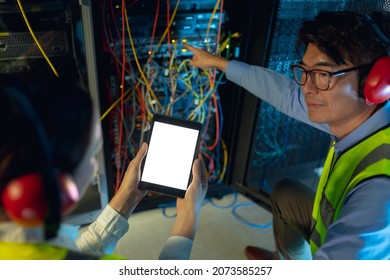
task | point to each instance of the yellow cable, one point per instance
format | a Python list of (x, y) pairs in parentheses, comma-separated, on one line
[(201, 102), (210, 20), (116, 103), (225, 159), (137, 62), (183, 64), (226, 42), (35, 38), (138, 83), (166, 30)]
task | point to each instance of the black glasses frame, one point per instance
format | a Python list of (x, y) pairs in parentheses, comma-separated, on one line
[(310, 72)]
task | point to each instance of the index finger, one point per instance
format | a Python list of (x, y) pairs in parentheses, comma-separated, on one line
[(189, 47)]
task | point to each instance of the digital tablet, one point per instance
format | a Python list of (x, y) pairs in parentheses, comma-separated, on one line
[(173, 147)]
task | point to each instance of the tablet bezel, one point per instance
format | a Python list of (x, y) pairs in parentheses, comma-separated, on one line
[(163, 189)]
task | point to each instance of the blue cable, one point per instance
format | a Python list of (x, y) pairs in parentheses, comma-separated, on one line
[(226, 206), (164, 207), (267, 186), (244, 221)]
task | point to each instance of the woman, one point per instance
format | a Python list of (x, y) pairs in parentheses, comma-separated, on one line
[(47, 157)]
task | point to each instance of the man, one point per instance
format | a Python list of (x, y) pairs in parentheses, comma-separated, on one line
[(340, 86)]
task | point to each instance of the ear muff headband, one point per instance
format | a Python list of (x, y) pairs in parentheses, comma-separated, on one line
[(50, 184)]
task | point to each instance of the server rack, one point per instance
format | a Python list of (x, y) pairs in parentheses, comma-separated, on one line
[(40, 38), (259, 145), (152, 37), (262, 144)]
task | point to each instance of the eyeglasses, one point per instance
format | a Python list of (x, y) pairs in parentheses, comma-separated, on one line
[(320, 78)]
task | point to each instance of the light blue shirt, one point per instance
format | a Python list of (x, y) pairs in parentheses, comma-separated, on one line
[(362, 230)]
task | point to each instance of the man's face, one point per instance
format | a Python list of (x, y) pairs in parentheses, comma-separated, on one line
[(340, 106)]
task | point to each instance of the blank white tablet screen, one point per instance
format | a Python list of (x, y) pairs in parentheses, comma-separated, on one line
[(170, 155)]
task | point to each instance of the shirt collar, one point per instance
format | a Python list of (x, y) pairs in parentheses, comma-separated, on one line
[(379, 119)]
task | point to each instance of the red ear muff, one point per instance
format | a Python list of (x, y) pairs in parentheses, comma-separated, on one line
[(24, 198), (377, 84)]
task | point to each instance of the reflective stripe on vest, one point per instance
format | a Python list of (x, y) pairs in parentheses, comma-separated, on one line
[(26, 251), (366, 159)]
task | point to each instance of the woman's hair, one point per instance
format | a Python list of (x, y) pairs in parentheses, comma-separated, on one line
[(347, 36), (64, 109), (45, 127), (66, 112)]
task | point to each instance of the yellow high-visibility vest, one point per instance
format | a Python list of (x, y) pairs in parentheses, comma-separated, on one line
[(42, 251), (366, 159)]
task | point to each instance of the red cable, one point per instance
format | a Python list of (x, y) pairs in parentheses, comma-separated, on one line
[(211, 165), (168, 27), (214, 97), (154, 24)]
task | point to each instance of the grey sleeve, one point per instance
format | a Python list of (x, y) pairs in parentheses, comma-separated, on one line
[(176, 248), (273, 88)]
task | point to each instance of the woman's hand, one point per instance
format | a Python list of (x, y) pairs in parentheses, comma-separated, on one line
[(188, 208), (128, 196)]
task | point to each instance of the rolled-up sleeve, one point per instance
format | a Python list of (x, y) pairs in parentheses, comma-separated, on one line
[(103, 234)]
